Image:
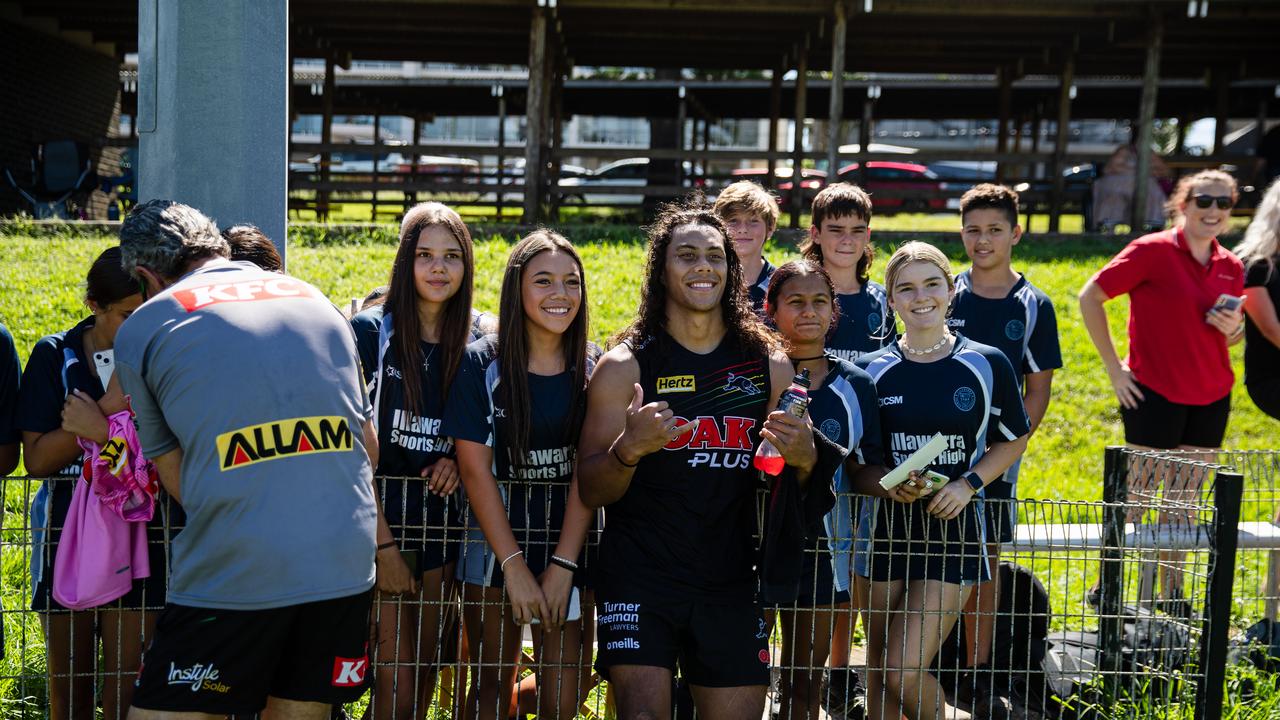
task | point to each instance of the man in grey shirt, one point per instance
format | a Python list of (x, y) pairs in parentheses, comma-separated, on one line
[(247, 394)]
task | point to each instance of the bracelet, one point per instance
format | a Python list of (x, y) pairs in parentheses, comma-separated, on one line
[(618, 457), (565, 563), (385, 545), (503, 565)]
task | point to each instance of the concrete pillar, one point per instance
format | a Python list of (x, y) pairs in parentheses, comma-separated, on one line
[(1146, 123), (213, 83), (836, 109)]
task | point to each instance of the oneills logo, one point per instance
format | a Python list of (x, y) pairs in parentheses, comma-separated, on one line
[(675, 384), (283, 438)]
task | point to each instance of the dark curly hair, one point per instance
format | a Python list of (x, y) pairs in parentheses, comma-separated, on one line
[(745, 329)]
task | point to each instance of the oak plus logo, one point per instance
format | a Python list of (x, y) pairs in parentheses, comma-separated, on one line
[(718, 442), (275, 288), (282, 439), (676, 384)]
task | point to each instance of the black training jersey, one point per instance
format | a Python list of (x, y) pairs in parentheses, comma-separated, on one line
[(759, 288), (1022, 324), (865, 324), (10, 374), (57, 366), (686, 524), (535, 490)]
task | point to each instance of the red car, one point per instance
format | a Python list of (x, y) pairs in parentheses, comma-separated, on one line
[(888, 182), (811, 180)]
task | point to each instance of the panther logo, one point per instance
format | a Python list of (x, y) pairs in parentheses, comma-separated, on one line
[(741, 383)]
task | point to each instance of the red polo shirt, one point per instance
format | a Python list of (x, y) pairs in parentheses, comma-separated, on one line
[(1172, 350)]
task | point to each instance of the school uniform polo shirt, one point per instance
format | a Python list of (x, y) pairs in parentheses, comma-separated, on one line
[(1172, 350)]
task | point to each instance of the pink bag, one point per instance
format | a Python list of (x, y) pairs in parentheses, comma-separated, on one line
[(101, 553)]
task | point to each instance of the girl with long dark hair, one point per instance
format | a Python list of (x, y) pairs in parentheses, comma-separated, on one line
[(66, 394), (515, 413), (801, 303), (411, 345)]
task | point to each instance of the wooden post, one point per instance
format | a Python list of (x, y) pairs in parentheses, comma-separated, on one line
[(775, 112), (377, 158), (535, 117), (836, 112), (413, 160), (864, 134), (1146, 122), (682, 113), (797, 145), (1263, 105), (326, 137), (1005, 77), (1222, 108), (502, 151), (1180, 142), (557, 129), (1060, 141), (706, 140)]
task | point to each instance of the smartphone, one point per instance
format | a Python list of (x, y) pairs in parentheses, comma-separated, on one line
[(1227, 301), (938, 479), (574, 612)]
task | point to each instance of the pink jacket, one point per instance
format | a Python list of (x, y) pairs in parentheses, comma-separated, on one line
[(104, 539)]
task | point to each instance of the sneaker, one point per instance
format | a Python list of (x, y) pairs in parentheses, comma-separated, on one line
[(844, 697)]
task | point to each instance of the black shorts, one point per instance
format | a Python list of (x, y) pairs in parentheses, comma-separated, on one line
[(909, 544), (229, 661), (1001, 511), (424, 524), (1266, 395), (715, 644), (1164, 425), (817, 579)]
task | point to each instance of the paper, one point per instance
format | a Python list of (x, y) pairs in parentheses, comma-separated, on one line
[(919, 460)]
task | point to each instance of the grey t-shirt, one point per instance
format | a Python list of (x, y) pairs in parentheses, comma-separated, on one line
[(254, 375)]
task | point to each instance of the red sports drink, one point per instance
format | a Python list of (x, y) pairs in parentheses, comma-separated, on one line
[(794, 400)]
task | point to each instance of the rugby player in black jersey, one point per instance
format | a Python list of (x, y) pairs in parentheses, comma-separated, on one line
[(674, 412)]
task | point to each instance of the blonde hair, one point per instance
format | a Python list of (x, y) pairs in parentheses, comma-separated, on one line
[(1182, 192), (746, 196), (1262, 239), (913, 252)]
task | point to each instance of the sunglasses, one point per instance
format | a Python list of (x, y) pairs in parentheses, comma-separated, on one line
[(1204, 201)]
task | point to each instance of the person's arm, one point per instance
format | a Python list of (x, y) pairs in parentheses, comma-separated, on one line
[(169, 468), (955, 495), (1262, 313), (619, 429), (47, 453), (792, 436), (1035, 396), (557, 581), (475, 460), (1094, 316)]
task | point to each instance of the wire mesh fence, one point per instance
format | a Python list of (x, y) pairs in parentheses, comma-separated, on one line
[(1120, 608)]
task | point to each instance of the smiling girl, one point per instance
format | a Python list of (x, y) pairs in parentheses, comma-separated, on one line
[(516, 413), (928, 547)]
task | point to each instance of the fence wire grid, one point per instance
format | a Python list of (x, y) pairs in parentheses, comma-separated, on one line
[(1119, 608)]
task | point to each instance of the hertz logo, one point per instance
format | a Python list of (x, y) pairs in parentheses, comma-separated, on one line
[(676, 383), (283, 438)]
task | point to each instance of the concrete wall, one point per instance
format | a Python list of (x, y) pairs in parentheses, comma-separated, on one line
[(54, 89)]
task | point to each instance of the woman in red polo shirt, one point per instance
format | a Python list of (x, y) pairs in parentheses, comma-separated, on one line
[(1174, 388)]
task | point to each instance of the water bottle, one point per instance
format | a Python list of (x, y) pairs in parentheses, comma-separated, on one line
[(794, 400)]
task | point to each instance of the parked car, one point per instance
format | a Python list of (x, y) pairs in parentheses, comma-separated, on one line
[(899, 186), (624, 173), (811, 181)]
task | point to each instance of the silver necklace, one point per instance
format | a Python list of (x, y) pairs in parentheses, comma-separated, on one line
[(937, 346), (426, 361)]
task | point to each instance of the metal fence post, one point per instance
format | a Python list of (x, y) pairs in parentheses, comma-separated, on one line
[(1115, 495), (1228, 488)]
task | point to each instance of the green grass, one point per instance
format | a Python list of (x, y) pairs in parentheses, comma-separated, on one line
[(43, 285)]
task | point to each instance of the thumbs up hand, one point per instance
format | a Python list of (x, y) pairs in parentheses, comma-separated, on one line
[(649, 427)]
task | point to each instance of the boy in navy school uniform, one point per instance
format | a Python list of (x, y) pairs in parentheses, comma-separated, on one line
[(751, 214), (998, 306)]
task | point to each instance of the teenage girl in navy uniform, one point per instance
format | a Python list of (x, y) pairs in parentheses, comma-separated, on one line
[(515, 414), (842, 406), (66, 394), (411, 344), (927, 553)]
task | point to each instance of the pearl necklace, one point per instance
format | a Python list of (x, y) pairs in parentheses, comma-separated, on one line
[(937, 346)]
